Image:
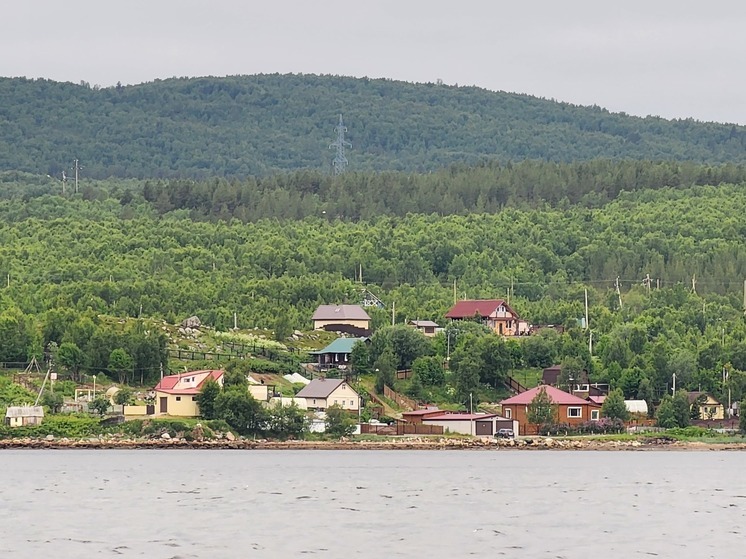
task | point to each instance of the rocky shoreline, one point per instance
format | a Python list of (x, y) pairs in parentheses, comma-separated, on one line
[(406, 443)]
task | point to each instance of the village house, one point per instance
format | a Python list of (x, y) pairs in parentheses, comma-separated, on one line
[(176, 395), (350, 319), (20, 416), (568, 408), (427, 327), (322, 393), (496, 314), (336, 354), (708, 408)]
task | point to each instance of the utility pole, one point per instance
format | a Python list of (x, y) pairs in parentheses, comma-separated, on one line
[(393, 313), (587, 325), (618, 291), (455, 300), (674, 384), (340, 161), (646, 282), (76, 167)]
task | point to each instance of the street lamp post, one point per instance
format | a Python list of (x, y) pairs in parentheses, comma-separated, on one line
[(94, 387)]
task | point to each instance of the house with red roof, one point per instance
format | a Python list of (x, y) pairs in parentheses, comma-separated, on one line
[(496, 314), (176, 395), (568, 408)]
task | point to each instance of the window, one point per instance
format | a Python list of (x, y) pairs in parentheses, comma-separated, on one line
[(575, 412), (508, 413), (595, 414), (352, 402), (194, 398), (178, 398)]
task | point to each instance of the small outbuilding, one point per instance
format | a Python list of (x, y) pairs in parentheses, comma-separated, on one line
[(478, 424), (20, 416)]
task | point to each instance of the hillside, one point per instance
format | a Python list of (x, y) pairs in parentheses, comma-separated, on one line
[(257, 125)]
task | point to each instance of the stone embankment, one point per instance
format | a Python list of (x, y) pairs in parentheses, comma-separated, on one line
[(405, 443)]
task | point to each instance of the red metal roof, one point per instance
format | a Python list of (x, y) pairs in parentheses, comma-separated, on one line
[(558, 397), (168, 383), (482, 307), (424, 411)]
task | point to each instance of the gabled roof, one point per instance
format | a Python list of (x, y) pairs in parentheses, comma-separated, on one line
[(708, 398), (320, 388), (340, 345), (424, 323), (558, 397), (340, 312), (170, 384), (24, 411), (481, 307)]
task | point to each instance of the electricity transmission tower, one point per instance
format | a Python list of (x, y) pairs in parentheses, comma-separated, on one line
[(340, 161)]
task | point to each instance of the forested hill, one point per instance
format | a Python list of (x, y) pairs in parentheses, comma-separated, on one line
[(257, 125)]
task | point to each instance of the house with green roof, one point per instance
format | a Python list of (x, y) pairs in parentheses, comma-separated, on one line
[(337, 353)]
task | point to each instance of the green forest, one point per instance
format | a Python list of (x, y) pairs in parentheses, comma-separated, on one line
[(72, 265), (214, 197), (243, 126)]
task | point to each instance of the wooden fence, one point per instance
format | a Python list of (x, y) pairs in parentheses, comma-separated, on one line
[(400, 399)]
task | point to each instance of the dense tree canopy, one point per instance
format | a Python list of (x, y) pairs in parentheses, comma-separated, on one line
[(258, 125)]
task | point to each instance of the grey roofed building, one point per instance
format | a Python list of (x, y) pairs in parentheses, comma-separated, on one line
[(320, 388), (340, 312), (18, 416)]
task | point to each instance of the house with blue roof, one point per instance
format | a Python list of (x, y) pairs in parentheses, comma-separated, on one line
[(337, 353)]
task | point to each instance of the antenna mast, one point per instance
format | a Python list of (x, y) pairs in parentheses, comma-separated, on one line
[(340, 161)]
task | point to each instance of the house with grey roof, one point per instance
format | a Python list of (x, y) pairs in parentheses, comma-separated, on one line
[(427, 327), (20, 416), (351, 319), (336, 354), (324, 392)]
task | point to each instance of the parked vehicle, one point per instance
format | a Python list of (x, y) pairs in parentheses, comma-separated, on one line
[(505, 434)]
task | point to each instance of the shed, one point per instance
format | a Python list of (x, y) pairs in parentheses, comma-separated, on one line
[(479, 424), (19, 416)]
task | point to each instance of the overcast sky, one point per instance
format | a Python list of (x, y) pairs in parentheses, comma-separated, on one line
[(675, 59)]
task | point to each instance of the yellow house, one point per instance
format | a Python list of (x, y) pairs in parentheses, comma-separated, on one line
[(322, 393), (20, 416), (708, 407), (176, 395)]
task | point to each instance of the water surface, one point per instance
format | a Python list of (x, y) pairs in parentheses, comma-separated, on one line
[(169, 504)]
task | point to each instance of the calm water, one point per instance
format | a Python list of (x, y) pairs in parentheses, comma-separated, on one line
[(225, 504)]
